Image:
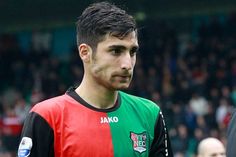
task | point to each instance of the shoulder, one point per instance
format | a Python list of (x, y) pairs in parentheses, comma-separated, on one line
[(133, 98), (48, 103), (234, 113), (51, 107), (139, 102), (232, 120), (231, 135)]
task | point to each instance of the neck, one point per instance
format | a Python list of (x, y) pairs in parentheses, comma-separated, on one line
[(97, 96)]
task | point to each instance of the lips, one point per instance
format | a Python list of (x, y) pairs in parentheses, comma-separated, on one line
[(123, 76)]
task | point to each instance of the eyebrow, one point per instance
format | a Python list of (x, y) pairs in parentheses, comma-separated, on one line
[(123, 47)]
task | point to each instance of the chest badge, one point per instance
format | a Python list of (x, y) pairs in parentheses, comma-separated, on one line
[(139, 141)]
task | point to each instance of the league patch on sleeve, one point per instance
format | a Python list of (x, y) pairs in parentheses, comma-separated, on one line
[(25, 147)]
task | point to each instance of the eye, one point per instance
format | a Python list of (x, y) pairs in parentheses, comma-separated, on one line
[(116, 51), (133, 51)]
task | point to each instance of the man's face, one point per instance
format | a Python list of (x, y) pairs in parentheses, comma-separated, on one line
[(215, 151), (113, 62)]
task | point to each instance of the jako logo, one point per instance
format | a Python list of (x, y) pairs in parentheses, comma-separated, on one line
[(109, 120)]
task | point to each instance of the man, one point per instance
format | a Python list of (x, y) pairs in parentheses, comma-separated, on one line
[(96, 119), (231, 136), (211, 147)]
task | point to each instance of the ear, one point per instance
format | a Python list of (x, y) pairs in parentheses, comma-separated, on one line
[(85, 52)]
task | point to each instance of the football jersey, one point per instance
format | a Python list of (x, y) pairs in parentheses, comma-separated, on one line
[(67, 126)]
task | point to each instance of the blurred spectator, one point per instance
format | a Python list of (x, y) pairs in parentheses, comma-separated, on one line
[(3, 151), (211, 147), (222, 111), (198, 104), (180, 139), (233, 95), (12, 119)]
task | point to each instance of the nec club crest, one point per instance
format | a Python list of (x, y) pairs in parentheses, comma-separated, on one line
[(139, 141)]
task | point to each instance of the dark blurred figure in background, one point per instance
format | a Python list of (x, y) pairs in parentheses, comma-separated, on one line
[(231, 136)]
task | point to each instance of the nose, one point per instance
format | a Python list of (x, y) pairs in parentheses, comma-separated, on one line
[(127, 61)]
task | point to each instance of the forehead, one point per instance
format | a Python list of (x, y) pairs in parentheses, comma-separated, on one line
[(215, 151), (129, 40)]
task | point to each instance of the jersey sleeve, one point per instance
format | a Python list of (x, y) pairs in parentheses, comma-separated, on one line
[(231, 136), (161, 146), (37, 137)]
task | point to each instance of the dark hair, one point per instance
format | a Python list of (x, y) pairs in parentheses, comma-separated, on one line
[(100, 19)]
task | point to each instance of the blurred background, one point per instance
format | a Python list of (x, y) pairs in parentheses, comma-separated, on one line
[(187, 63)]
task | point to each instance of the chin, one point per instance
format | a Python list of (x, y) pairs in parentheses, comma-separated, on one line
[(122, 87), (119, 85)]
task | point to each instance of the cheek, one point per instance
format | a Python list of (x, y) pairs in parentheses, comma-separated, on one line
[(100, 70), (133, 65), (133, 61)]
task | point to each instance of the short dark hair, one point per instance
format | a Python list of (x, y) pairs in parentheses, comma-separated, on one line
[(100, 19)]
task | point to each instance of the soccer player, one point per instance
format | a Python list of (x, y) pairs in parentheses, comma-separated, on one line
[(231, 136), (97, 119), (211, 147)]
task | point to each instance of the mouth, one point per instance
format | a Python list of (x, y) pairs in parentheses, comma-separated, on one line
[(123, 76)]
